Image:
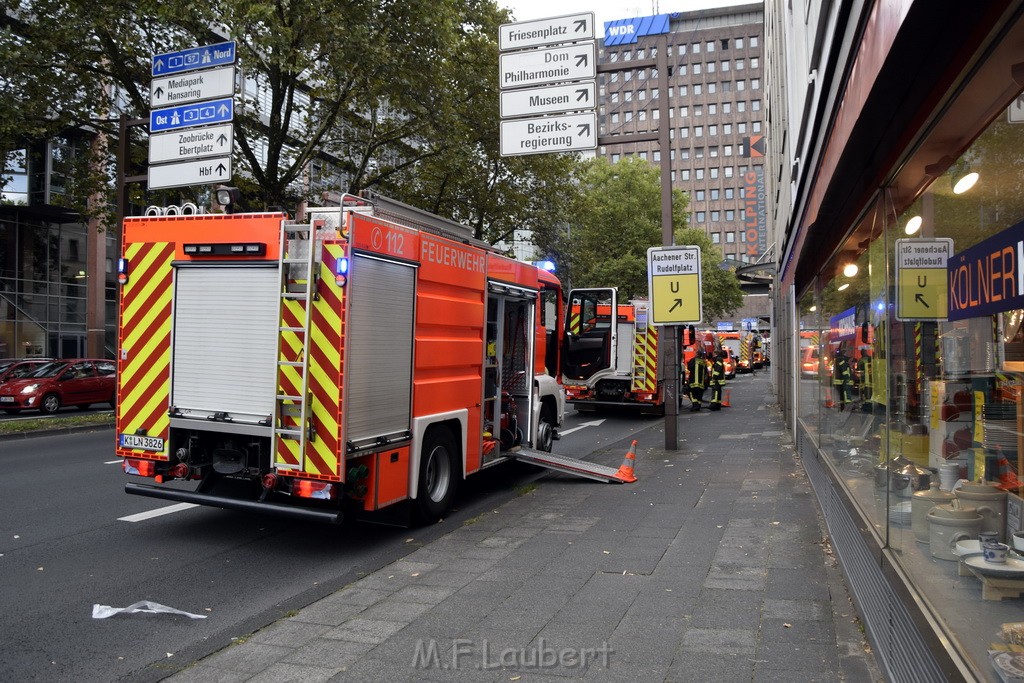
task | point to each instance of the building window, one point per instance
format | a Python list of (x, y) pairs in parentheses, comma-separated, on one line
[(730, 214), (728, 174), (712, 129), (699, 195), (716, 238), (613, 56), (684, 154), (727, 151), (686, 174), (740, 65), (716, 216), (627, 76), (725, 65), (726, 86), (654, 93), (614, 77), (684, 111), (641, 115), (741, 106), (754, 63), (741, 86), (698, 110), (714, 174), (681, 49), (615, 118), (695, 48), (657, 155), (673, 176), (753, 41), (726, 106), (743, 235), (715, 192), (712, 109), (615, 158), (684, 132), (629, 116), (656, 114), (712, 87), (730, 192), (642, 155), (671, 133), (699, 173), (627, 55), (725, 43), (710, 47), (615, 97), (755, 105), (627, 96), (739, 43), (698, 131), (640, 53), (710, 67), (730, 237), (755, 83), (756, 126), (682, 69), (684, 90), (741, 127), (701, 216), (697, 89), (696, 69), (727, 128), (642, 74)]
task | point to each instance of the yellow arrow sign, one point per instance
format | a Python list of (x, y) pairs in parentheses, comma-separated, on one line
[(674, 281), (922, 290)]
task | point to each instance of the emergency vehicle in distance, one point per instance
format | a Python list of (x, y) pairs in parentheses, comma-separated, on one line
[(611, 362), (365, 358)]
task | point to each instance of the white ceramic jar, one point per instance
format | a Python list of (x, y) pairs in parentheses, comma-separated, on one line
[(990, 502), (948, 524), (921, 503)]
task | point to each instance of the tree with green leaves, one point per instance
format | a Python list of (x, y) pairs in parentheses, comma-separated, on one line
[(615, 220)]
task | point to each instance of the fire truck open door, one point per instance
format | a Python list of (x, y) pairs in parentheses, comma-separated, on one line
[(591, 334)]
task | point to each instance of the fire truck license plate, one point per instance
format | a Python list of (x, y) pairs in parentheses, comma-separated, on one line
[(6, 399), (145, 443)]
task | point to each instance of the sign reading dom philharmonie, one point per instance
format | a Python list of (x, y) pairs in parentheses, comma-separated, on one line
[(548, 69)]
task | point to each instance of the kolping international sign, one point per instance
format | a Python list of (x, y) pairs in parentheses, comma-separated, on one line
[(755, 211)]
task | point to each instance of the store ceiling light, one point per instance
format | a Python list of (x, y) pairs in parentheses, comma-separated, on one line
[(913, 225), (842, 286), (964, 183), (850, 269)]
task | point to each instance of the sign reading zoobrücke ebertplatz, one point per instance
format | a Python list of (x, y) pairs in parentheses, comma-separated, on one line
[(547, 74), (674, 282)]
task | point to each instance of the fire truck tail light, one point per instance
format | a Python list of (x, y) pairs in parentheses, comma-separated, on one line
[(305, 488), (122, 271), (143, 468), (180, 471), (269, 481)]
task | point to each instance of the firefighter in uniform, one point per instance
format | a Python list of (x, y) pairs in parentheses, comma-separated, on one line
[(697, 369), (842, 378), (717, 381)]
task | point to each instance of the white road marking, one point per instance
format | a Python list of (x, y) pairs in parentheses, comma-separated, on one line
[(595, 423), (142, 516), (114, 462)]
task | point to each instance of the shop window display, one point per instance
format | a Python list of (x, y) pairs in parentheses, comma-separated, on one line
[(914, 386)]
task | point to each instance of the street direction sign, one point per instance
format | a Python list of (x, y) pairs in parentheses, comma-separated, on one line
[(674, 281), (542, 134), (523, 34), (202, 172), (188, 115), (548, 65), (194, 58), (922, 284), (549, 99), (192, 143), (192, 87)]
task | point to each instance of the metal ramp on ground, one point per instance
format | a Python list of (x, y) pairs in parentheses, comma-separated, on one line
[(567, 465)]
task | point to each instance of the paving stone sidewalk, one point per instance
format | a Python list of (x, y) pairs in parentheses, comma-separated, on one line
[(712, 567)]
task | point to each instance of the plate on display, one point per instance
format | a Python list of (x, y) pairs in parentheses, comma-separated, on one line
[(1013, 569), (966, 547)]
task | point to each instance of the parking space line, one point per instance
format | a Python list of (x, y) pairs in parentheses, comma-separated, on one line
[(142, 516)]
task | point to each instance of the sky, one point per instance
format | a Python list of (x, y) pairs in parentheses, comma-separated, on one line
[(608, 10)]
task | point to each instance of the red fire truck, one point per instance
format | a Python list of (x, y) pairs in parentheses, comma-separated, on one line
[(364, 358)]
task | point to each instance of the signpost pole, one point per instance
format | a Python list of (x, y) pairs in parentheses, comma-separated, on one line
[(671, 363)]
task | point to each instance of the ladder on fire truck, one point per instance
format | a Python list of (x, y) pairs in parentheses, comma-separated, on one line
[(567, 465), (297, 269), (640, 350)]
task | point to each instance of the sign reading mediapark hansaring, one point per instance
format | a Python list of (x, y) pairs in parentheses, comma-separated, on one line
[(558, 58)]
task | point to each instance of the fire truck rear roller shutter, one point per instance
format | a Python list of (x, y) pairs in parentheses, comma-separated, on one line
[(380, 338), (225, 339)]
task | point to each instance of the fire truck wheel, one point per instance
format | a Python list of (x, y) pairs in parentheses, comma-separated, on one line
[(546, 430), (50, 403), (438, 475)]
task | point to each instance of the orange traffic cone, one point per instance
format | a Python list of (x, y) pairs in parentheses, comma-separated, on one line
[(625, 472), (725, 399), (829, 403)]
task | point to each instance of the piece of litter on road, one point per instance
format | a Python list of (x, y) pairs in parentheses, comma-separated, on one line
[(104, 611)]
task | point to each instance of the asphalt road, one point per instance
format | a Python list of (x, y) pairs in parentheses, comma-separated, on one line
[(71, 538)]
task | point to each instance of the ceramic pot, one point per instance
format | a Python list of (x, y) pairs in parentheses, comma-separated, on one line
[(948, 524), (989, 500), (921, 503), (910, 478)]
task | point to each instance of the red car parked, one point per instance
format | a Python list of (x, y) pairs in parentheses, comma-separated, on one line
[(13, 368), (74, 382)]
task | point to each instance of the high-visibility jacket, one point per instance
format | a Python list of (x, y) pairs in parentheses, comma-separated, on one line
[(717, 373), (698, 372)]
